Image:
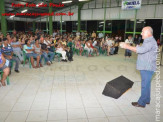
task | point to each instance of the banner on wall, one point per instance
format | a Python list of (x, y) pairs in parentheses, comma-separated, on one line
[(131, 4)]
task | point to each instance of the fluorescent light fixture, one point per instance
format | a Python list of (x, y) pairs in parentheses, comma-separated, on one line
[(39, 4), (101, 22), (83, 0), (24, 11), (12, 16), (67, 1), (141, 20), (132, 20)]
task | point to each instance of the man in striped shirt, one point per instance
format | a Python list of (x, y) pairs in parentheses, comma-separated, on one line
[(146, 63)]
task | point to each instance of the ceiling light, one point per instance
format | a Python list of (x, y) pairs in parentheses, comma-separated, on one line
[(139, 22), (67, 1), (24, 11), (101, 22), (83, 0), (12, 16)]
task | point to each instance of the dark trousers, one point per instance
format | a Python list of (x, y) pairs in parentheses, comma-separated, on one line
[(116, 50), (69, 54)]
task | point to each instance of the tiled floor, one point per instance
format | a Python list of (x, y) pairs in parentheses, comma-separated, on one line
[(72, 92)]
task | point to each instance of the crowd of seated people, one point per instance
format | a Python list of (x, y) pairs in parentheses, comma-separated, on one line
[(14, 47)]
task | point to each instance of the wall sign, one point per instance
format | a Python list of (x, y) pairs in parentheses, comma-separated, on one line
[(131, 4)]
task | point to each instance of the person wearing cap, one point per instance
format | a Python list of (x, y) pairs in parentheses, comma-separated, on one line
[(146, 63), (7, 52)]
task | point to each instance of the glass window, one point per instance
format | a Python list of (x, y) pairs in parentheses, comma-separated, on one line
[(130, 26), (74, 26), (63, 26), (83, 26), (139, 25)]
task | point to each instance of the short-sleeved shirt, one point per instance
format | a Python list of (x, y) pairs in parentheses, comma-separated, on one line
[(16, 48), (26, 47), (37, 49), (7, 50), (147, 54)]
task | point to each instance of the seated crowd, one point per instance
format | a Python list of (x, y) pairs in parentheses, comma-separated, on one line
[(19, 46)]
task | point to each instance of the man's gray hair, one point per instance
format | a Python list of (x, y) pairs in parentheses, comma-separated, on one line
[(150, 29)]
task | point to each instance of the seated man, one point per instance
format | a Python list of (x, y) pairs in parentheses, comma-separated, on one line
[(4, 67), (110, 44), (7, 52), (46, 53), (16, 45)]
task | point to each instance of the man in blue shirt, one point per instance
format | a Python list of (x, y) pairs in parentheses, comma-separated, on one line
[(146, 64), (7, 52)]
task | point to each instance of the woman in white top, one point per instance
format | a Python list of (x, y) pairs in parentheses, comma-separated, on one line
[(130, 42), (61, 51), (88, 47)]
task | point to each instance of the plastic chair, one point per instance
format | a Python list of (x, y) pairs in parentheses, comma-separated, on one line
[(25, 58)]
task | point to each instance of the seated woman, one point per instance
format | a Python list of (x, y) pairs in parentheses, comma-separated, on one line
[(78, 46), (88, 47), (37, 50), (61, 51), (94, 49), (4, 66), (103, 45), (30, 53)]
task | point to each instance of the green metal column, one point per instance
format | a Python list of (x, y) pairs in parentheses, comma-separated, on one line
[(104, 19), (61, 25), (3, 19), (80, 5), (135, 23), (50, 20), (34, 26)]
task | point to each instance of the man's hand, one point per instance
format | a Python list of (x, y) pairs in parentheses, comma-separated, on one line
[(123, 45)]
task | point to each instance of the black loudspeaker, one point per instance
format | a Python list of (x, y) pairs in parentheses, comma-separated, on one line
[(116, 87)]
